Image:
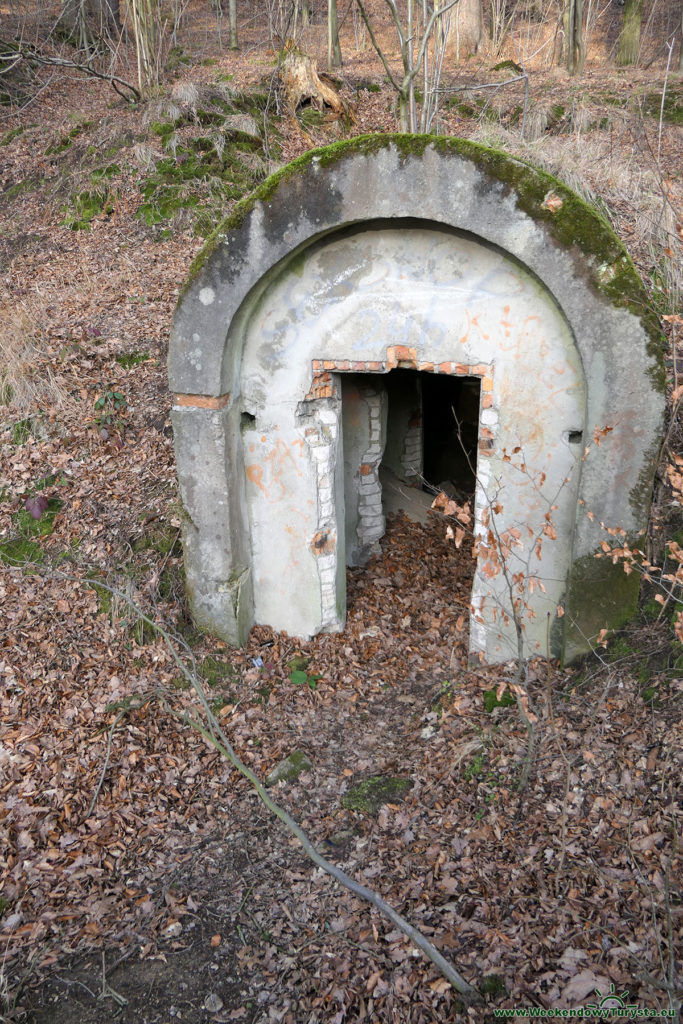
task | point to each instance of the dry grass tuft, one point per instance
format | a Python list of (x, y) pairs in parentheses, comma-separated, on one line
[(185, 94), (144, 156), (27, 379), (537, 119), (621, 181)]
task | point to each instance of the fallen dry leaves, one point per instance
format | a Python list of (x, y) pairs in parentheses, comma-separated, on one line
[(570, 888)]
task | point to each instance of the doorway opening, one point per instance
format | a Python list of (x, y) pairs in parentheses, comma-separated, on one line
[(407, 435)]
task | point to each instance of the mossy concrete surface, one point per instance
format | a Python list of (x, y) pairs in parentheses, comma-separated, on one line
[(289, 769), (460, 194), (371, 794)]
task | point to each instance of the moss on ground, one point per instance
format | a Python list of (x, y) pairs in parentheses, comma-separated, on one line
[(20, 551), (198, 175), (670, 111), (87, 205), (214, 671), (23, 546), (371, 794), (66, 141), (11, 135)]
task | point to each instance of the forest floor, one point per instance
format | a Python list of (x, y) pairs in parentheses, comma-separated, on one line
[(141, 880)]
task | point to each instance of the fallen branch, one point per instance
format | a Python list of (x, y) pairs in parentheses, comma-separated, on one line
[(32, 55), (214, 735)]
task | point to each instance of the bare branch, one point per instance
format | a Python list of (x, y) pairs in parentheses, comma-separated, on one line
[(381, 56), (31, 54)]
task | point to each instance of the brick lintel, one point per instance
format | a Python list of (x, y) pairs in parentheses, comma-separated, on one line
[(202, 401)]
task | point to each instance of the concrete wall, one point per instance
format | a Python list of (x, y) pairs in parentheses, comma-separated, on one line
[(447, 271)]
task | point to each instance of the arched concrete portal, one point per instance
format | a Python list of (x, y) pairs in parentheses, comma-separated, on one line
[(435, 301), (449, 260)]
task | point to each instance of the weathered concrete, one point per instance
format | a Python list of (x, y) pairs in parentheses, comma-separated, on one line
[(432, 255)]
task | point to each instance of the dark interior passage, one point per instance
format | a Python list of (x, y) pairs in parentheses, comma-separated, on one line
[(450, 414), (404, 433)]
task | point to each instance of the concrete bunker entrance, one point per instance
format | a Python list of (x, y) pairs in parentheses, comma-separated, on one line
[(507, 277), (407, 435)]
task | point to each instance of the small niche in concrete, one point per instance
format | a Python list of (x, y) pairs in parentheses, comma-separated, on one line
[(328, 329)]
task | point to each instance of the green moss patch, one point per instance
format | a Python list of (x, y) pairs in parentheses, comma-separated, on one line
[(66, 141), (214, 671), (491, 700), (130, 359), (20, 551), (603, 596), (85, 206), (199, 178), (23, 545), (11, 135), (200, 174), (670, 111), (289, 769), (371, 794)]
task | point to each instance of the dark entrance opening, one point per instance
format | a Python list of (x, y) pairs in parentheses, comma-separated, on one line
[(404, 433), (450, 417), (433, 430)]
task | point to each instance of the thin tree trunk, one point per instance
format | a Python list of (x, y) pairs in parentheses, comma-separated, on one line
[(412, 109), (629, 39), (232, 17), (305, 13), (334, 57), (575, 52)]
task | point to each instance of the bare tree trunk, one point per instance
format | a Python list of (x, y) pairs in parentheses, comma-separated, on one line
[(108, 17), (334, 57), (680, 46), (232, 16), (469, 25), (305, 13), (629, 39), (74, 22), (575, 51), (408, 63)]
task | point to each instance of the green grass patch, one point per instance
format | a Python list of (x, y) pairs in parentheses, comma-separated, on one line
[(130, 359), (11, 135), (22, 430)]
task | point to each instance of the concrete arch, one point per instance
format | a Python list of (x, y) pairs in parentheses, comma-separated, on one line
[(435, 254)]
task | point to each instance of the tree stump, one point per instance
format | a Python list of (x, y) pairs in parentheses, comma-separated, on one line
[(300, 84)]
